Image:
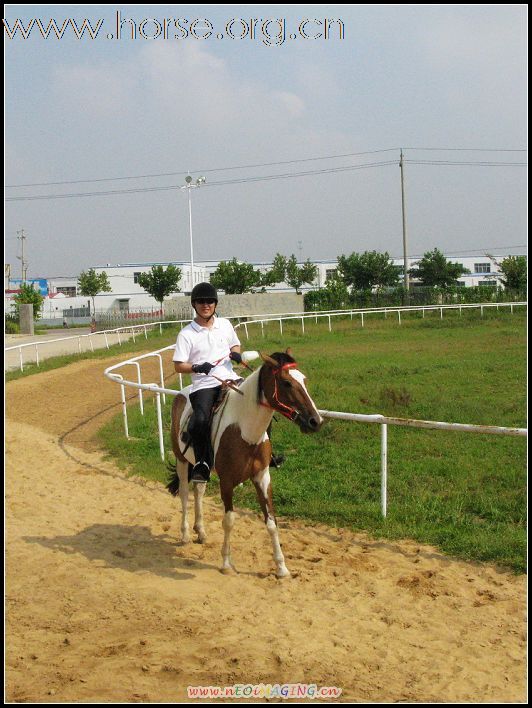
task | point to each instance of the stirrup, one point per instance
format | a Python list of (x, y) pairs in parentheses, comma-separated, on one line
[(277, 460), (200, 473)]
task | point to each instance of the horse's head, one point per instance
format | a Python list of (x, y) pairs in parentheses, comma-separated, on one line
[(283, 386)]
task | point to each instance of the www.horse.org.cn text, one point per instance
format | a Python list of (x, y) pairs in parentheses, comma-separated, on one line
[(271, 31)]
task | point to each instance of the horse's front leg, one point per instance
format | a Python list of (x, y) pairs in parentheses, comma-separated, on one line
[(199, 491), (263, 487)]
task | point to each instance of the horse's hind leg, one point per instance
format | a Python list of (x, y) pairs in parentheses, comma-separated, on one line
[(226, 489), (263, 488), (199, 491), (182, 471)]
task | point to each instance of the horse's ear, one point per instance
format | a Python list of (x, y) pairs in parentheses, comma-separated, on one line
[(289, 352), (268, 360)]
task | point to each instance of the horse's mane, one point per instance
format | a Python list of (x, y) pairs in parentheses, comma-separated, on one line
[(283, 358)]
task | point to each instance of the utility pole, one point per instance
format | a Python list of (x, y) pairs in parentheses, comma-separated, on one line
[(24, 264), (405, 251)]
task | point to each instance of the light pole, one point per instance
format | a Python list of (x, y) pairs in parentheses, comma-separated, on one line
[(189, 186)]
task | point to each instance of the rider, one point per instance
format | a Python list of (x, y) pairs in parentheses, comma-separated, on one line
[(206, 339), (205, 349)]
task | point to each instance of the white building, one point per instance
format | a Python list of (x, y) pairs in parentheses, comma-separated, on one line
[(128, 296)]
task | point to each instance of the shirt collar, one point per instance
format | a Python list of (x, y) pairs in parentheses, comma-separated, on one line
[(198, 327)]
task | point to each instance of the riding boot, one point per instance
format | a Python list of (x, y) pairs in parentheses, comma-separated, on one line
[(276, 460)]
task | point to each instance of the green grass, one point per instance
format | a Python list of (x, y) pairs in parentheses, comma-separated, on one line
[(462, 492)]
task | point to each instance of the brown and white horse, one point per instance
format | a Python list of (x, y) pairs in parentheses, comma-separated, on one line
[(241, 446)]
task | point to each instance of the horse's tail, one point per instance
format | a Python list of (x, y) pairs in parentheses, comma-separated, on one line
[(173, 480)]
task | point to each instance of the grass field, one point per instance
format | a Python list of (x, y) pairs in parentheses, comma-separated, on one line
[(462, 492)]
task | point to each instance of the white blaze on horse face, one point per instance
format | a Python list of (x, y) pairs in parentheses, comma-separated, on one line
[(300, 378)]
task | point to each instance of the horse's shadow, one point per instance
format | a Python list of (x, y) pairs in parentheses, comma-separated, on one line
[(131, 548)]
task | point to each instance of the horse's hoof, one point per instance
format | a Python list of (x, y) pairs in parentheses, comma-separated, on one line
[(228, 570), (282, 573), (184, 540), (202, 537)]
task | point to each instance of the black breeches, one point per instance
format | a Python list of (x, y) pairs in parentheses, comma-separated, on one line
[(202, 402)]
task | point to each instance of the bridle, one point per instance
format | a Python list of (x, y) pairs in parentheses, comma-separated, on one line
[(288, 412)]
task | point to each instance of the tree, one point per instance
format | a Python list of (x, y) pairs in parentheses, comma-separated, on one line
[(277, 273), (29, 296), (159, 283), (235, 278), (363, 271), (91, 283), (296, 275), (513, 269), (436, 271)]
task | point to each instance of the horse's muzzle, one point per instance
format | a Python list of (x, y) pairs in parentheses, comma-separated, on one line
[(311, 424)]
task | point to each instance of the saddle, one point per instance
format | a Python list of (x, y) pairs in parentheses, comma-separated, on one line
[(187, 418)]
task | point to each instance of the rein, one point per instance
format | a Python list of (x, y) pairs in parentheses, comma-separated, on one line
[(287, 411)]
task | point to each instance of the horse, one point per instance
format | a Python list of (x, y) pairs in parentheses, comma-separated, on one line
[(241, 446)]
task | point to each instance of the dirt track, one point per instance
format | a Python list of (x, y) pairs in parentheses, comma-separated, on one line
[(104, 606)]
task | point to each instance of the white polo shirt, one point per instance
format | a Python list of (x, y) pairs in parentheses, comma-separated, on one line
[(196, 344)]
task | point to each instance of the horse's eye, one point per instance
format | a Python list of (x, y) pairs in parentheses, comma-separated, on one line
[(287, 384)]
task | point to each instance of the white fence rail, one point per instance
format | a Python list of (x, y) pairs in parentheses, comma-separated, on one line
[(159, 390), (88, 340)]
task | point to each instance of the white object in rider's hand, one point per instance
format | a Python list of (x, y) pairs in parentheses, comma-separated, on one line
[(250, 356)]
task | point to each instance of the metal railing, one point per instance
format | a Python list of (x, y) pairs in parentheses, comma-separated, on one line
[(260, 319), (360, 312), (159, 389)]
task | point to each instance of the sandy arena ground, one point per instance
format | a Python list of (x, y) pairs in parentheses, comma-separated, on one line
[(103, 604)]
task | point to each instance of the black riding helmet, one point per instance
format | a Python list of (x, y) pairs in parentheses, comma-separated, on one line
[(204, 290)]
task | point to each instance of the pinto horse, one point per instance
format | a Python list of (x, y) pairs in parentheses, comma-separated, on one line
[(241, 446)]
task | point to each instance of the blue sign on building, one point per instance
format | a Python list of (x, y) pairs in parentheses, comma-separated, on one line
[(42, 284)]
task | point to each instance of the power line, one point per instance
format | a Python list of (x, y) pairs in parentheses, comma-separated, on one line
[(264, 178), (208, 184), (203, 171), (468, 163), (257, 165)]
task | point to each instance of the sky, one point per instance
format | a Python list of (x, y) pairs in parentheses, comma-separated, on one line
[(447, 83)]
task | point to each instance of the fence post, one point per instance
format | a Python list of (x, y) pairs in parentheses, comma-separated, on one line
[(362, 318), (384, 467), (37, 353), (330, 330), (106, 340), (79, 344), (20, 357), (302, 326), (162, 375), (281, 326), (441, 313), (119, 340), (262, 328), (399, 316), (139, 380), (124, 408), (160, 425), (246, 328), (145, 332)]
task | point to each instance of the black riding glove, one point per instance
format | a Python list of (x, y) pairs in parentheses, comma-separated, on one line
[(236, 357), (202, 368)]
